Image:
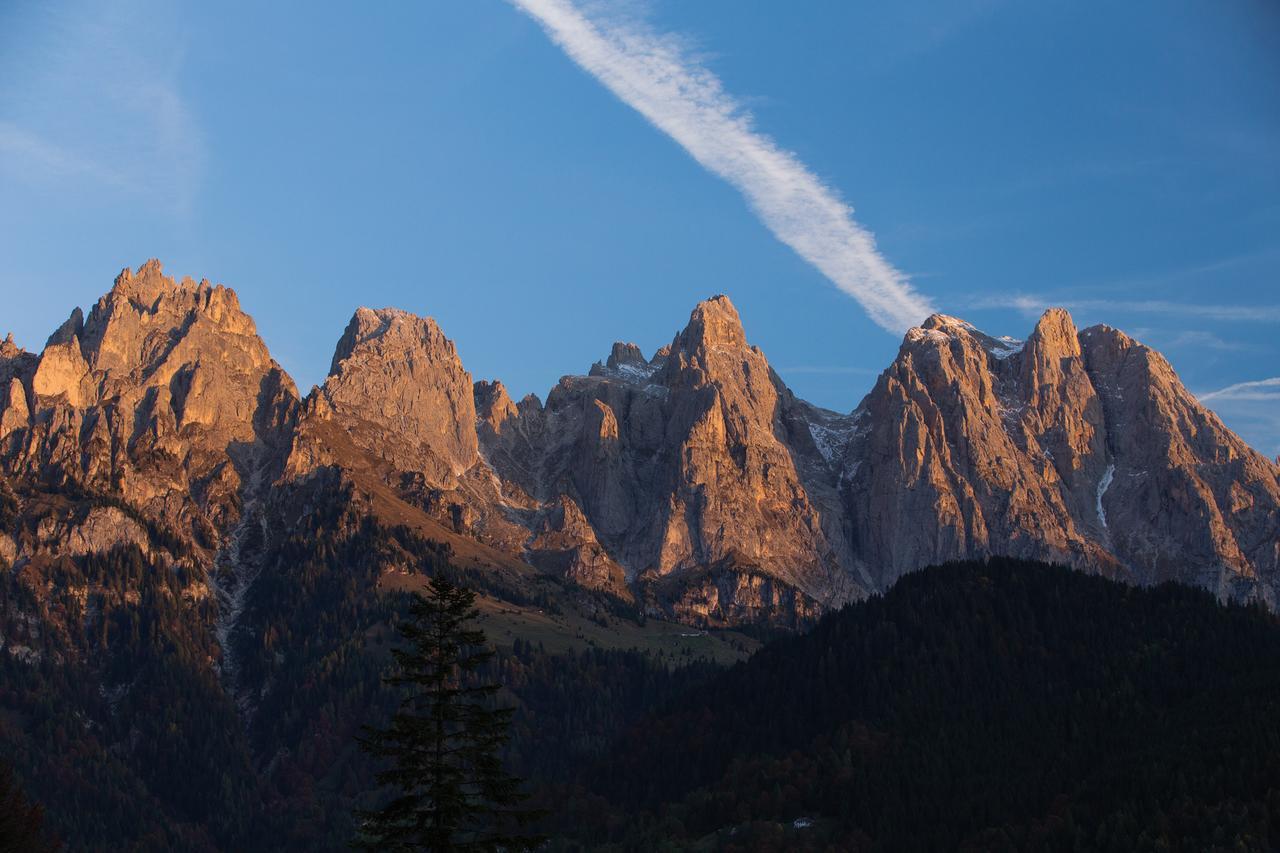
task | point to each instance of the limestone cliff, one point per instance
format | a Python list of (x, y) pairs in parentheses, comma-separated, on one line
[(164, 396), (397, 386), (1079, 448), (678, 462), (692, 483)]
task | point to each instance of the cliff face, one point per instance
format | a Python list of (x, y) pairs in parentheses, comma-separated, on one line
[(1183, 498), (955, 452), (396, 419), (677, 463), (693, 482), (1078, 448), (164, 397), (398, 388)]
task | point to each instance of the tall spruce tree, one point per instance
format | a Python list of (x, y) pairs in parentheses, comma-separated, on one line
[(21, 822), (451, 790)]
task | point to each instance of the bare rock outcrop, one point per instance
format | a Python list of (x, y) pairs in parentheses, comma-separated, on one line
[(693, 482), (397, 415), (566, 545), (729, 593), (17, 366), (1081, 448), (1183, 498), (399, 389), (677, 462), (947, 463), (164, 397)]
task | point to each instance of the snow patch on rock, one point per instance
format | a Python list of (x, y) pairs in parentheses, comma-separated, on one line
[(1007, 346), (1103, 485), (830, 441), (832, 433), (634, 373)]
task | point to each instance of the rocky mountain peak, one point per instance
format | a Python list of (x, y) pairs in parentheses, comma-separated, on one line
[(625, 354), (391, 332), (129, 282), (695, 476), (1054, 336), (714, 323), (398, 387), (150, 325), (16, 367), (935, 332), (947, 323), (70, 330), (713, 349), (149, 290), (626, 362), (1102, 338), (1082, 448), (164, 396), (493, 404)]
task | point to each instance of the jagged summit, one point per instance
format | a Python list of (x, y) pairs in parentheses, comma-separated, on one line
[(389, 331), (626, 362), (694, 480), (397, 386), (163, 398), (1078, 447), (148, 291), (1054, 336), (713, 323), (946, 321), (625, 354), (71, 329)]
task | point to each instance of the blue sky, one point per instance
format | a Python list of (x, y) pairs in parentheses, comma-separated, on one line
[(451, 158)]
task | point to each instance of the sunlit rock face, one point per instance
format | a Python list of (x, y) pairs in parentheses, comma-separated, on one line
[(398, 387), (691, 483), (1082, 448), (397, 418), (679, 462), (1187, 499), (164, 396)]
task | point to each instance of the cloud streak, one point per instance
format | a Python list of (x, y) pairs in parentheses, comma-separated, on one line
[(1253, 409), (1032, 305), (88, 112), (654, 75), (827, 369), (1262, 389), (1208, 340), (33, 152)]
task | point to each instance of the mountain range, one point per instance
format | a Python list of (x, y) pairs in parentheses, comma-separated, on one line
[(691, 484), (199, 565)]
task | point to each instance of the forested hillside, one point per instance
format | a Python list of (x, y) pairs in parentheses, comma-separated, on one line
[(1007, 705), (999, 706), (120, 719)]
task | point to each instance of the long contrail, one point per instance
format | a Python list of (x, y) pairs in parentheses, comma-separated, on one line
[(652, 74)]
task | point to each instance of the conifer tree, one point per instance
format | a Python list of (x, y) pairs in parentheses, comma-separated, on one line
[(451, 792), (21, 822)]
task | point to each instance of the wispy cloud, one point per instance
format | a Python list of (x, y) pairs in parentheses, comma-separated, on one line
[(22, 146), (1253, 411), (820, 369), (1256, 264), (1208, 340), (1261, 389), (92, 100), (1032, 304), (655, 75)]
